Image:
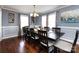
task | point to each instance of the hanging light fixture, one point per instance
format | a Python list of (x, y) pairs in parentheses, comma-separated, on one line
[(34, 14)]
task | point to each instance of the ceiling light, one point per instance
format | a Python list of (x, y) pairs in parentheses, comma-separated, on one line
[(34, 14)]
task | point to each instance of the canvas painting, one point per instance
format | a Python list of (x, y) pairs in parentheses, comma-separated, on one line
[(11, 17), (71, 16)]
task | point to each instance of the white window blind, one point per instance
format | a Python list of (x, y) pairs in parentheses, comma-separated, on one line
[(44, 21), (24, 20), (52, 20)]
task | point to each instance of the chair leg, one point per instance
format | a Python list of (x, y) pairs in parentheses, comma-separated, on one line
[(24, 37), (55, 49), (72, 51), (51, 51)]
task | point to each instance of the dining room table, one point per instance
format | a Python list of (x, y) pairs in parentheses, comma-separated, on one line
[(51, 35), (55, 36)]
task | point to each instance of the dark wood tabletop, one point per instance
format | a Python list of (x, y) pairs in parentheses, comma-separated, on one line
[(52, 35)]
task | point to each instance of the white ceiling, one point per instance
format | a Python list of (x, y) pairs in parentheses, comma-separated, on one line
[(30, 8)]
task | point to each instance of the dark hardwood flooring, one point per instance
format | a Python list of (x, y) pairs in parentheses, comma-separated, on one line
[(19, 45)]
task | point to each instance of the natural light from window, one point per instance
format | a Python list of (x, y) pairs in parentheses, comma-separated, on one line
[(44, 21), (24, 20), (52, 20)]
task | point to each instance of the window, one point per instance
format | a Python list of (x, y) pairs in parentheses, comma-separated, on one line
[(24, 20), (44, 21), (52, 20)]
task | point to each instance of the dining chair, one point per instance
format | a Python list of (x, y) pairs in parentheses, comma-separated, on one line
[(46, 28), (56, 29), (25, 32), (28, 34), (64, 46), (33, 35), (43, 40), (45, 43)]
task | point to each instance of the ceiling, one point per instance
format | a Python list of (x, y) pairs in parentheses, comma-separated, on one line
[(29, 8)]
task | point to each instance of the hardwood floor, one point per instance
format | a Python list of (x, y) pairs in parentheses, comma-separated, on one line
[(17, 45), (20, 45), (77, 49)]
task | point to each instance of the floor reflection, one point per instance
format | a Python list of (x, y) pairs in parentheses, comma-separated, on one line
[(21, 46)]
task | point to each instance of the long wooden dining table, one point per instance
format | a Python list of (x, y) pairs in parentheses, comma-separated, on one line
[(51, 35)]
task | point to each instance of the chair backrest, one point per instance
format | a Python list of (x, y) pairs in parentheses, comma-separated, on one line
[(43, 36), (32, 34), (56, 29), (42, 33), (31, 29), (46, 28), (25, 29)]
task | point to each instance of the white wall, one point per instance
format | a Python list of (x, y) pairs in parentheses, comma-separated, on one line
[(10, 31)]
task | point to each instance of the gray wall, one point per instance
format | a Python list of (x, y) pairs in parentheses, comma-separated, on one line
[(9, 29), (12, 29), (5, 18), (59, 23)]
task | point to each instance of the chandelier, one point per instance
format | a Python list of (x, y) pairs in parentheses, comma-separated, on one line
[(34, 14)]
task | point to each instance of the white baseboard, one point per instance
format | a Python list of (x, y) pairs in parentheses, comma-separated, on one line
[(8, 37), (0, 39), (10, 31)]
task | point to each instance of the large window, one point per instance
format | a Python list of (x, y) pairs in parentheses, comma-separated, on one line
[(52, 20), (24, 20), (44, 21)]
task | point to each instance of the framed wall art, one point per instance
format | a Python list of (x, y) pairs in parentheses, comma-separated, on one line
[(71, 16), (11, 17)]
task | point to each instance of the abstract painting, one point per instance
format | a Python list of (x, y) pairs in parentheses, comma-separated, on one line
[(71, 16)]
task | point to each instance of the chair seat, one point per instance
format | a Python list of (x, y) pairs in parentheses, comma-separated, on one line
[(36, 37), (50, 43), (51, 49), (50, 46), (43, 44), (63, 45)]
